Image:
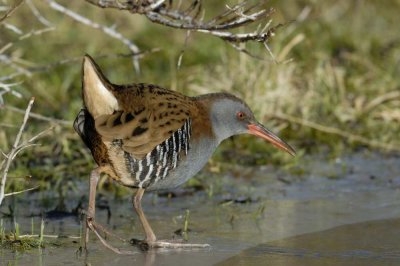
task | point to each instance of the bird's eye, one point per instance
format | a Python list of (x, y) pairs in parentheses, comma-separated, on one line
[(240, 115)]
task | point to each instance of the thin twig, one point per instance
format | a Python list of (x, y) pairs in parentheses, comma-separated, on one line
[(29, 143), (21, 191), (110, 31), (65, 61), (156, 4), (111, 4), (7, 88), (9, 62), (37, 14), (11, 10), (187, 18), (13, 28), (183, 50), (39, 135), (24, 37), (40, 117), (243, 37), (246, 52), (270, 52), (44, 68), (14, 150)]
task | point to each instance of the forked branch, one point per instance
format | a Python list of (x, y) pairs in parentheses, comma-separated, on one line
[(190, 16), (17, 147)]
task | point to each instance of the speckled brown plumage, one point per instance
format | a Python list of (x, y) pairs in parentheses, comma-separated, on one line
[(142, 117), (151, 138), (147, 116)]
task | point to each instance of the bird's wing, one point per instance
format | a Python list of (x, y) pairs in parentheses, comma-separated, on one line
[(145, 121)]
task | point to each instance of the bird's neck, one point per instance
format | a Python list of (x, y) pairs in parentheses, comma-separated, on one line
[(213, 108)]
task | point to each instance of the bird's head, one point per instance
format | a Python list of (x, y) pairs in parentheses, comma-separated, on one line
[(231, 116)]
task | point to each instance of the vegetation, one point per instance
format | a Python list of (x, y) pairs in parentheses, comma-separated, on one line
[(17, 242), (331, 85)]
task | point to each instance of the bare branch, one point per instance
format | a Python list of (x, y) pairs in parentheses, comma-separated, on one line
[(183, 49), (21, 191), (11, 76), (156, 5), (179, 20), (40, 117), (111, 4), (14, 150), (12, 28), (243, 37), (37, 14), (37, 136), (179, 17), (11, 10), (270, 52), (8, 61), (21, 38), (48, 67), (7, 88), (17, 148), (245, 51), (110, 31)]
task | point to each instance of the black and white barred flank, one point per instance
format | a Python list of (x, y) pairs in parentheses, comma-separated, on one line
[(161, 160)]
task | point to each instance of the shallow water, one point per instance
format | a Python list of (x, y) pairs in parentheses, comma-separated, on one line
[(366, 243), (339, 212)]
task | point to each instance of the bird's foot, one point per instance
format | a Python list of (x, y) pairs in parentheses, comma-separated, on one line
[(97, 228), (172, 244)]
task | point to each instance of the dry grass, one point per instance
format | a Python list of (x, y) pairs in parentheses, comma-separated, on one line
[(334, 87), (337, 71)]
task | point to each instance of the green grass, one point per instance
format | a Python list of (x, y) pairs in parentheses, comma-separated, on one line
[(16, 242), (339, 68)]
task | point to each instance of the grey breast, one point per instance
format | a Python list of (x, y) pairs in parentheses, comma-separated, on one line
[(158, 163)]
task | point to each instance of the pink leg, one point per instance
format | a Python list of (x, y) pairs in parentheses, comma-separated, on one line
[(137, 204), (90, 216), (150, 238), (94, 179)]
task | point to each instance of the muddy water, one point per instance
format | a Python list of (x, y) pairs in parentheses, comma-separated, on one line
[(366, 243), (336, 212)]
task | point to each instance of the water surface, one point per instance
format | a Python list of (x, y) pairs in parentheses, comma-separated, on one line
[(337, 212)]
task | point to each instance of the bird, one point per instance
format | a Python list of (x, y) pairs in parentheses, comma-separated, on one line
[(150, 138)]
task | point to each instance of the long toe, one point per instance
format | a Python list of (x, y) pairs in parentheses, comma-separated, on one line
[(177, 244), (171, 244)]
